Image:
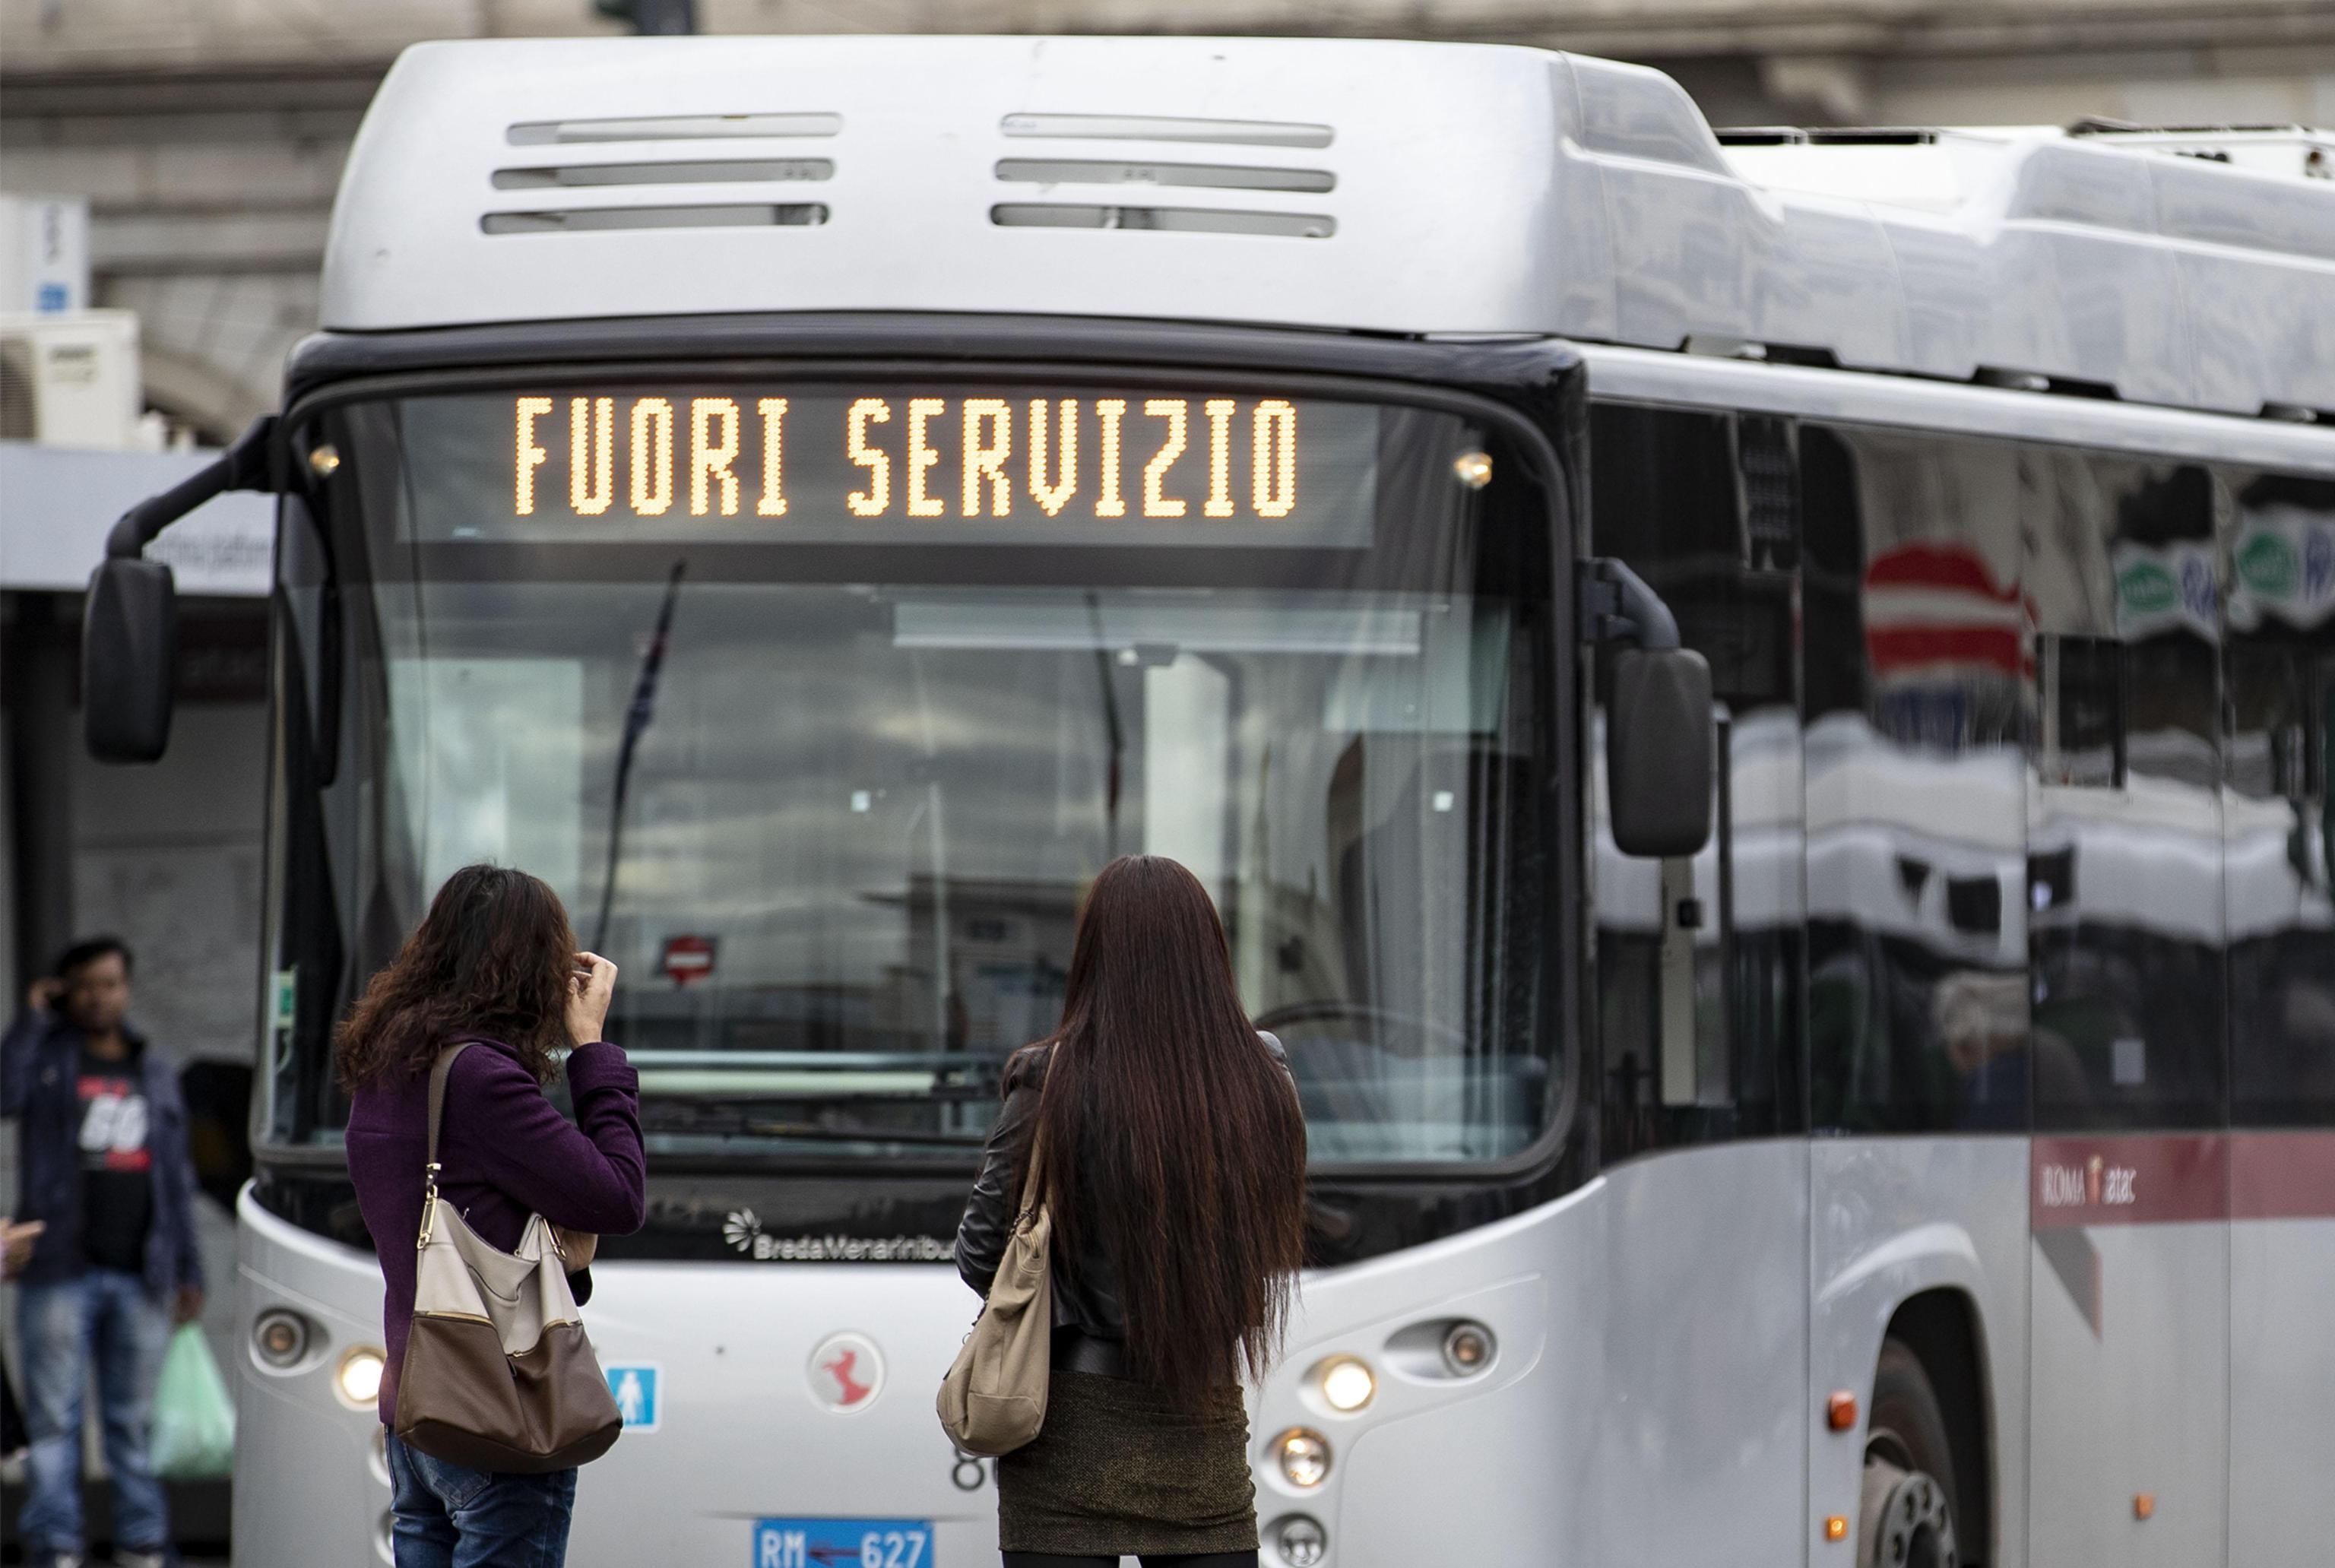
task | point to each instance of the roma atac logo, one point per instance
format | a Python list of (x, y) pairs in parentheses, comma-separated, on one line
[(2095, 1184)]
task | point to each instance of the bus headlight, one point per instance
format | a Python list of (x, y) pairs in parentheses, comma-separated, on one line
[(1347, 1383), (358, 1381), (1304, 1457), (279, 1338), (1300, 1541)]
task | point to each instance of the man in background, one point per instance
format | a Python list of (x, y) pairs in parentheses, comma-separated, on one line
[(103, 1170)]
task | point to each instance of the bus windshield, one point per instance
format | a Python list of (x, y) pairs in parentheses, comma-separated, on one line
[(821, 705)]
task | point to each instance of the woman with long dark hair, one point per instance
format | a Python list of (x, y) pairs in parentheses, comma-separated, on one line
[(495, 964), (1174, 1171)]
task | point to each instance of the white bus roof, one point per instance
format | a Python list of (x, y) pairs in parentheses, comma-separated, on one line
[(1353, 184)]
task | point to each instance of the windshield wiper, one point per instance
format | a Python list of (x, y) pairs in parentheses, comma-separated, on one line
[(1113, 731), (636, 721)]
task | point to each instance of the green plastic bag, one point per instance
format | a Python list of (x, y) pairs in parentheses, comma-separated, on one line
[(194, 1419)]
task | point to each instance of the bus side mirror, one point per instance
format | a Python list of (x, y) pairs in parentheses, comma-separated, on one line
[(129, 653), (1657, 751), (1658, 726), (129, 622)]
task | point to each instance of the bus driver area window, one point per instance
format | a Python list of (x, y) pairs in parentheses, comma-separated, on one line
[(819, 703)]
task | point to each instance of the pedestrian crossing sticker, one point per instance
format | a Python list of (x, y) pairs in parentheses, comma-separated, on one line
[(638, 1390)]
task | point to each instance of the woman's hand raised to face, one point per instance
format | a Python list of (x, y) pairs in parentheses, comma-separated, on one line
[(577, 1248), (587, 1003)]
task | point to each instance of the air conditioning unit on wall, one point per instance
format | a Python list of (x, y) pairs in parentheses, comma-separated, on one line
[(71, 380)]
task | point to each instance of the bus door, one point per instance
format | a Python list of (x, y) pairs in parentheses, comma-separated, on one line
[(1916, 708), (2130, 1275), (1699, 966), (2278, 549)]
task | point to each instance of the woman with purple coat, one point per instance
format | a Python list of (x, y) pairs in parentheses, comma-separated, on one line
[(493, 962)]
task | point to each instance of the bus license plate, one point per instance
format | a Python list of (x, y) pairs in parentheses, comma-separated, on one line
[(842, 1544)]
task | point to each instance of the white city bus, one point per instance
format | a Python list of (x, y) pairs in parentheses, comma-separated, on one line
[(817, 501)]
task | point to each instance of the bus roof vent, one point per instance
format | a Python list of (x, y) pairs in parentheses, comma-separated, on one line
[(709, 214), (672, 128), (652, 172), (1165, 128), (1101, 211), (701, 171), (1167, 219), (1124, 171)]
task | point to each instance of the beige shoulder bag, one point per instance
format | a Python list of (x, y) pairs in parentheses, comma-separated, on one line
[(994, 1399), (497, 1373)]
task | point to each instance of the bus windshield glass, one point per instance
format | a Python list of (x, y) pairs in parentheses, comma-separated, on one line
[(820, 703)]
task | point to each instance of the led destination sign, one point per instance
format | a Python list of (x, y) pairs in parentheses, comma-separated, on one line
[(942, 465)]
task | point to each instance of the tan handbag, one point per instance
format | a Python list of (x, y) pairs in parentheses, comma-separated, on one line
[(497, 1373), (994, 1399)]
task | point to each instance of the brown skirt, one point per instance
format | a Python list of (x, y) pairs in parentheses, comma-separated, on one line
[(1119, 1468)]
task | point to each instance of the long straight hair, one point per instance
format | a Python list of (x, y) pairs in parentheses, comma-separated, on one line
[(1174, 1143)]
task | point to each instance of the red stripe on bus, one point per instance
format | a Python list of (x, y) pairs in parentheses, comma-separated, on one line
[(2167, 1178), (2282, 1176)]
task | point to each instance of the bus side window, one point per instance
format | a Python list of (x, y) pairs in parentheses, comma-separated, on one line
[(2126, 910), (1915, 708), (2277, 536), (1700, 960)]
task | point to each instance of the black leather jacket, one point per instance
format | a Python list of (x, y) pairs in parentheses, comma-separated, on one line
[(1086, 1287)]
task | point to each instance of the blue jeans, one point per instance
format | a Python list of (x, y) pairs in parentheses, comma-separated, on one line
[(452, 1516), (104, 1318)]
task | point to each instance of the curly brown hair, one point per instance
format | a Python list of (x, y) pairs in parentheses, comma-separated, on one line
[(495, 957)]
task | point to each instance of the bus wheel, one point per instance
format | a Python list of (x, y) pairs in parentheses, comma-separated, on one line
[(1905, 1516)]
